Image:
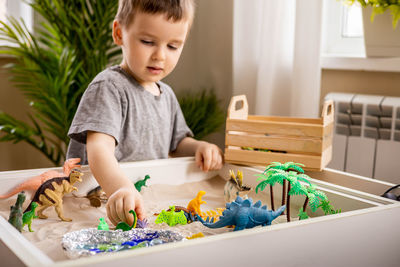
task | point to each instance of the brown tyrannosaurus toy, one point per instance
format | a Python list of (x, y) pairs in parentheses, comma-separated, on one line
[(51, 193), (34, 182)]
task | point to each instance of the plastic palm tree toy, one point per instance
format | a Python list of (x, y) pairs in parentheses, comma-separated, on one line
[(328, 208), (287, 166), (270, 177), (295, 187), (297, 184), (316, 199)]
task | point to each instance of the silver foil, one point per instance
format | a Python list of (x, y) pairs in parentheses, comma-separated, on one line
[(88, 242)]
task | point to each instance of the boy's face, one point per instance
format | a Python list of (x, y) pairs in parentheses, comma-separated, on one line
[(151, 46)]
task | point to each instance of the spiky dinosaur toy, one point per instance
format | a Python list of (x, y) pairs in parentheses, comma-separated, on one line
[(16, 212), (51, 193), (243, 214), (34, 183), (234, 187), (171, 217), (28, 216)]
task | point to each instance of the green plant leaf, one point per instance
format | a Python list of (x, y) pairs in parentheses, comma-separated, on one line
[(54, 66), (202, 112)]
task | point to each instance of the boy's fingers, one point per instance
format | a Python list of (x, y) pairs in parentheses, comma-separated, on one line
[(140, 211), (207, 158), (111, 214), (199, 159), (129, 204), (216, 159), (119, 207), (220, 159)]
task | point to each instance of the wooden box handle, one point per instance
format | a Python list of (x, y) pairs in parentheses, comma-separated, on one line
[(328, 112), (238, 113)]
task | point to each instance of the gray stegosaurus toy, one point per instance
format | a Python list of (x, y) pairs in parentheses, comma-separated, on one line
[(244, 214)]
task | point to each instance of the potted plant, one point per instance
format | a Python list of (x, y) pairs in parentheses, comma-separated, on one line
[(54, 65), (203, 112), (381, 34)]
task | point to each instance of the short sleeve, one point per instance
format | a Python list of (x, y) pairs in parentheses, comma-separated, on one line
[(180, 128), (100, 110)]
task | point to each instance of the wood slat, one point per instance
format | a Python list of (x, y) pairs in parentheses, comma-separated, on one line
[(281, 143), (275, 128), (259, 158), (318, 121)]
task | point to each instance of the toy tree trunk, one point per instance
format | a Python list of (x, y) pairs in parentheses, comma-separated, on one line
[(272, 197), (288, 203), (283, 193)]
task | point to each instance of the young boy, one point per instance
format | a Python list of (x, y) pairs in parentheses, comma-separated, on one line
[(127, 114)]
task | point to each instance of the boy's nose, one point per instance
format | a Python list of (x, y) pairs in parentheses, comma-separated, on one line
[(159, 54)]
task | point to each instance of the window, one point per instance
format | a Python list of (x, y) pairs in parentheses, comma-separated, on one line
[(352, 26), (342, 30), (3, 10), (17, 9), (343, 42)]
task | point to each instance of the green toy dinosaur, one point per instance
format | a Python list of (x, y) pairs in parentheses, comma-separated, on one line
[(139, 184), (171, 217), (124, 226), (28, 216), (16, 212), (103, 225)]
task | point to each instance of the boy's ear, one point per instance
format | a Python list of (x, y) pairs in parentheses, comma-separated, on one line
[(117, 33)]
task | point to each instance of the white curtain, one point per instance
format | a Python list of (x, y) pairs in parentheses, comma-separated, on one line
[(276, 55)]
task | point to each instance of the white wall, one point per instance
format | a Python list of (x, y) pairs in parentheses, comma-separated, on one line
[(206, 61)]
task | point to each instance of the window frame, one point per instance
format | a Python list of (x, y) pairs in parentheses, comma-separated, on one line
[(347, 53), (333, 43), (19, 9)]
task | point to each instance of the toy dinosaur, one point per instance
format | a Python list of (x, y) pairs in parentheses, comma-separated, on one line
[(171, 217), (51, 193), (97, 196), (194, 204), (34, 183), (28, 216), (126, 227), (103, 225), (244, 214), (16, 212), (142, 223), (234, 187), (190, 216), (139, 184), (198, 235)]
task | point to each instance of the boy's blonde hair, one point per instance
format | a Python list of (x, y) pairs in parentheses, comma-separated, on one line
[(176, 10)]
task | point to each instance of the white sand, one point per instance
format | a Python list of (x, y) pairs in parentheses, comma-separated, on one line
[(48, 233)]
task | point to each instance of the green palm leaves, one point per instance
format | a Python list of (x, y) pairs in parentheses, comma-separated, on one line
[(297, 184), (54, 66)]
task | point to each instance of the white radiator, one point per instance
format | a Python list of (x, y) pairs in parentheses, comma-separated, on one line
[(366, 138)]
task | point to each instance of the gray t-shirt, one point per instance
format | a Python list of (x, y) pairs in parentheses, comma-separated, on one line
[(144, 126)]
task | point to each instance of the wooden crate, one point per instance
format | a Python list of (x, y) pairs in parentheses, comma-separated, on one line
[(301, 140)]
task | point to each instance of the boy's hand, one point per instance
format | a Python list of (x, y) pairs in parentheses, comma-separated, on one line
[(121, 202), (208, 157)]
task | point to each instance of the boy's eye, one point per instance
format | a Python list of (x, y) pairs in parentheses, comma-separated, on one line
[(147, 42), (172, 47)]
